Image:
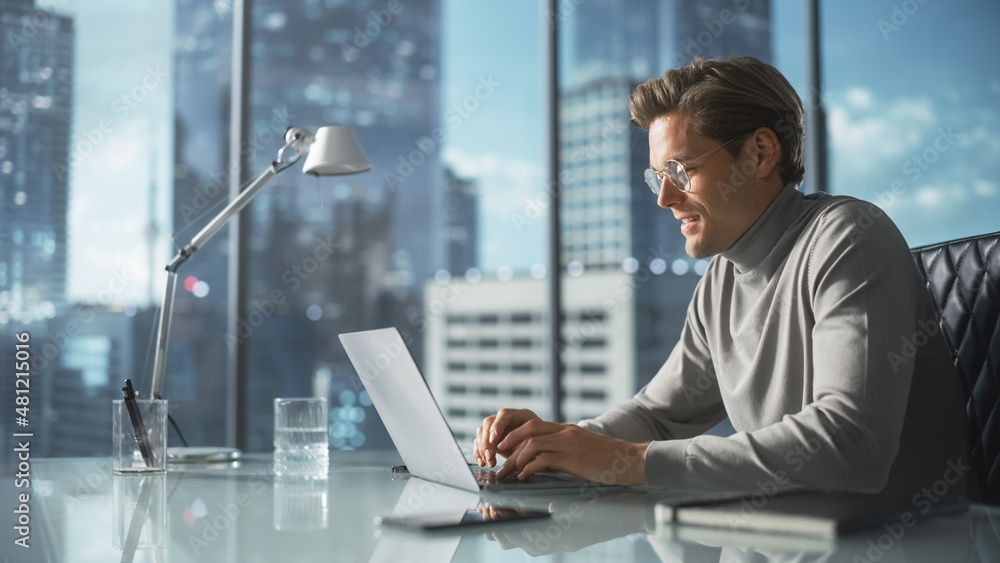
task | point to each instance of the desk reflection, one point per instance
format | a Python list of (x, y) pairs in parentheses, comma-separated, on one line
[(83, 513), (300, 503), (971, 537), (139, 516), (576, 522), (423, 497)]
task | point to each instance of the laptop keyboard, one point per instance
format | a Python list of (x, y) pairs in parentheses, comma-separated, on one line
[(486, 476)]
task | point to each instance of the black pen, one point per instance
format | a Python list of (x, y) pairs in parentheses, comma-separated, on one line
[(138, 427)]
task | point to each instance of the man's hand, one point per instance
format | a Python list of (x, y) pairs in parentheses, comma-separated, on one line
[(494, 429), (536, 445)]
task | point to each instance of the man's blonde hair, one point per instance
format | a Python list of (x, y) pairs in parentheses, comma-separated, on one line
[(726, 98)]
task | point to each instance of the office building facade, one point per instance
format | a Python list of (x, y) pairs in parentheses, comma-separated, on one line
[(486, 347)]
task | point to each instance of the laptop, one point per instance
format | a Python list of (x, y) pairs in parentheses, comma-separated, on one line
[(417, 426)]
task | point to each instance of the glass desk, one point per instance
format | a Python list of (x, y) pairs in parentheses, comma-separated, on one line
[(81, 511)]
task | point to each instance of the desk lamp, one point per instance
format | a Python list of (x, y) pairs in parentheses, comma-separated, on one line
[(332, 151)]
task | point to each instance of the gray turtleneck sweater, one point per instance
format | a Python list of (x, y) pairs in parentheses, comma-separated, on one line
[(815, 334)]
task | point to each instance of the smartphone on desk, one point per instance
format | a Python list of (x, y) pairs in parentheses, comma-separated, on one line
[(460, 521)]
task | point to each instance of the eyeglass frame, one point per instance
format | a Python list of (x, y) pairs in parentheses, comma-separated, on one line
[(681, 169)]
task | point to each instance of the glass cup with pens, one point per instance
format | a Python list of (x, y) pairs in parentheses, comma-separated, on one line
[(139, 432)]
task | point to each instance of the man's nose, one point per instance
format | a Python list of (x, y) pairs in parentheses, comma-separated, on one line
[(669, 194)]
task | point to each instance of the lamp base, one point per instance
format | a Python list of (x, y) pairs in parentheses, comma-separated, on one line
[(203, 455)]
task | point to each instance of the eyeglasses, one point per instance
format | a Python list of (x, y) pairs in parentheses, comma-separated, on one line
[(676, 171)]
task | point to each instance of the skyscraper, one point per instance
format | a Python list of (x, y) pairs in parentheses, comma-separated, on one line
[(460, 233), (36, 97), (36, 100), (376, 68)]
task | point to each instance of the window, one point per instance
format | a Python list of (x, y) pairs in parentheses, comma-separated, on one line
[(924, 154), (521, 318), (87, 165), (448, 229)]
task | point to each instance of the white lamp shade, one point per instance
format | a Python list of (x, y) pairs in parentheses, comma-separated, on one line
[(335, 152)]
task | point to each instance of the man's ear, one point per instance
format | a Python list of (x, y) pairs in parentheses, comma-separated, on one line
[(768, 151)]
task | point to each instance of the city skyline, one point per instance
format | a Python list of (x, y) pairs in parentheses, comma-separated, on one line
[(861, 106), (922, 154)]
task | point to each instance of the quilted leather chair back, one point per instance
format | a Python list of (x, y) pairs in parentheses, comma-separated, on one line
[(963, 277)]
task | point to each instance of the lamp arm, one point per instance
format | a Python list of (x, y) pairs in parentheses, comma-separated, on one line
[(297, 140), (210, 230)]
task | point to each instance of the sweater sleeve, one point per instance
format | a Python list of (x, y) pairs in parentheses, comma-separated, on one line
[(682, 400), (861, 290)]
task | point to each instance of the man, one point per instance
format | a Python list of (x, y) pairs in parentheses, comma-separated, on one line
[(802, 330)]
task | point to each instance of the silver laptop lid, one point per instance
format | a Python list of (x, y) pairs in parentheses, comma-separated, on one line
[(408, 410)]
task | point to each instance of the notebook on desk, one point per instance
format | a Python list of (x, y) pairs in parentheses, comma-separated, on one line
[(417, 426), (816, 514)]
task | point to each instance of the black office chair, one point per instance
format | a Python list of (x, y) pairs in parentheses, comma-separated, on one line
[(963, 277)]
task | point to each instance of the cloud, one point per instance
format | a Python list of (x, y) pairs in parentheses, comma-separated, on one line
[(985, 188), (859, 98), (512, 206), (867, 134), (506, 185)]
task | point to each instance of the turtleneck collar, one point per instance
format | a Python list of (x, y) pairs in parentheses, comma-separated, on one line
[(762, 237)]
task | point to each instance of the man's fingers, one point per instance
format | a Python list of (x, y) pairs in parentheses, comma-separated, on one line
[(534, 427), (485, 447), (510, 465), (540, 462), (500, 424)]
